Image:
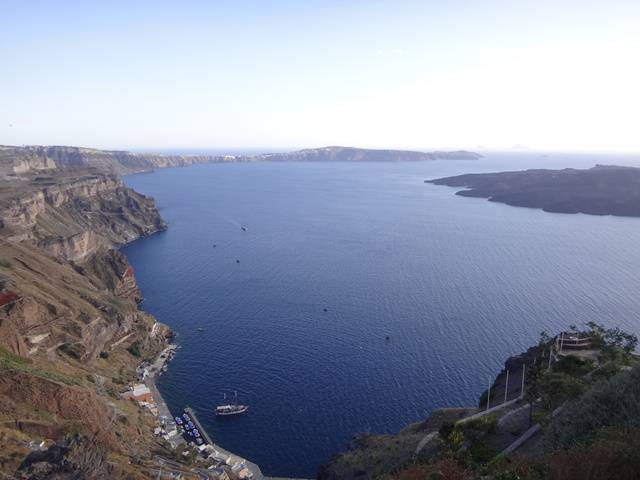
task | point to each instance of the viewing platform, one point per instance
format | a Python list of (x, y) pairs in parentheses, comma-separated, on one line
[(574, 341)]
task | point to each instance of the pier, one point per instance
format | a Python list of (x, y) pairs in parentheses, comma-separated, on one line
[(237, 464), (198, 425)]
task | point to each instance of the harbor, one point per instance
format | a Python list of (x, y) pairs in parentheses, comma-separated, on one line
[(243, 468), (186, 430)]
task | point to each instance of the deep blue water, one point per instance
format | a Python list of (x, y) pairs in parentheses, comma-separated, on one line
[(457, 283)]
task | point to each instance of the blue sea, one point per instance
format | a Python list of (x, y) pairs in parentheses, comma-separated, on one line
[(338, 256)]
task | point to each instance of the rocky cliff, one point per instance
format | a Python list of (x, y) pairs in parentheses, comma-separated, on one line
[(74, 213), (20, 160), (69, 316)]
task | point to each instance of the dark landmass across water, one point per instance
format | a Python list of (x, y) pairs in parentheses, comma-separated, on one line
[(351, 154), (601, 190)]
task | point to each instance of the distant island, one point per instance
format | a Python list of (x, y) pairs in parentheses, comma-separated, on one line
[(24, 159), (351, 154), (601, 190)]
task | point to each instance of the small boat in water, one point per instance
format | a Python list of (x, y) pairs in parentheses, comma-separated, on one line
[(231, 408)]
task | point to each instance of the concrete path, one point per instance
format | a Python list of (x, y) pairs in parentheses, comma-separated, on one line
[(426, 439)]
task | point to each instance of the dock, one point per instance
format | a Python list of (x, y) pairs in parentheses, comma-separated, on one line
[(236, 463), (198, 425)]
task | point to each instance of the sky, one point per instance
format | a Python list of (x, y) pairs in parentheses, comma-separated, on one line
[(548, 75)]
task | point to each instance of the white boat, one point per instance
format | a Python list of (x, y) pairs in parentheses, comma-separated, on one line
[(231, 408)]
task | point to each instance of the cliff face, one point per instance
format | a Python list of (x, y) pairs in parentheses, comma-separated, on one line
[(20, 160), (59, 238), (69, 311), (74, 215)]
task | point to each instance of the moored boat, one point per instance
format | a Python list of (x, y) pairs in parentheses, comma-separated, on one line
[(231, 408)]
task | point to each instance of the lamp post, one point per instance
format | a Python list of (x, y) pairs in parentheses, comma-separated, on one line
[(489, 394), (506, 388)]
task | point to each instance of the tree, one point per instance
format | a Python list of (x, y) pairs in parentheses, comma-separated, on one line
[(545, 339), (612, 341)]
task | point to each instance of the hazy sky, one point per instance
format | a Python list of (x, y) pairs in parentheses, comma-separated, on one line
[(410, 74)]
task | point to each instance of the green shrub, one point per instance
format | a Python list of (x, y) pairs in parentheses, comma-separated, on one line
[(555, 388), (12, 361), (445, 429), (104, 354), (486, 424), (84, 317), (612, 403), (574, 366), (606, 371), (482, 453), (5, 263), (134, 349)]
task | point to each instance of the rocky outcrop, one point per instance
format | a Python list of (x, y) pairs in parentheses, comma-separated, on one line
[(74, 247), (69, 402), (73, 458), (11, 338), (31, 162)]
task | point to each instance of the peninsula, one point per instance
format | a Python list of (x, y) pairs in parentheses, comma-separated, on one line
[(601, 190)]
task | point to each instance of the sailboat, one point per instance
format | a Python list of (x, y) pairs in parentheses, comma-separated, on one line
[(231, 408)]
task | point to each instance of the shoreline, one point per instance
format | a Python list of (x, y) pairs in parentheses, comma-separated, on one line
[(169, 424)]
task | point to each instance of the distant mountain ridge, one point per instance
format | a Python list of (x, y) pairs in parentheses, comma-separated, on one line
[(18, 160), (352, 154)]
